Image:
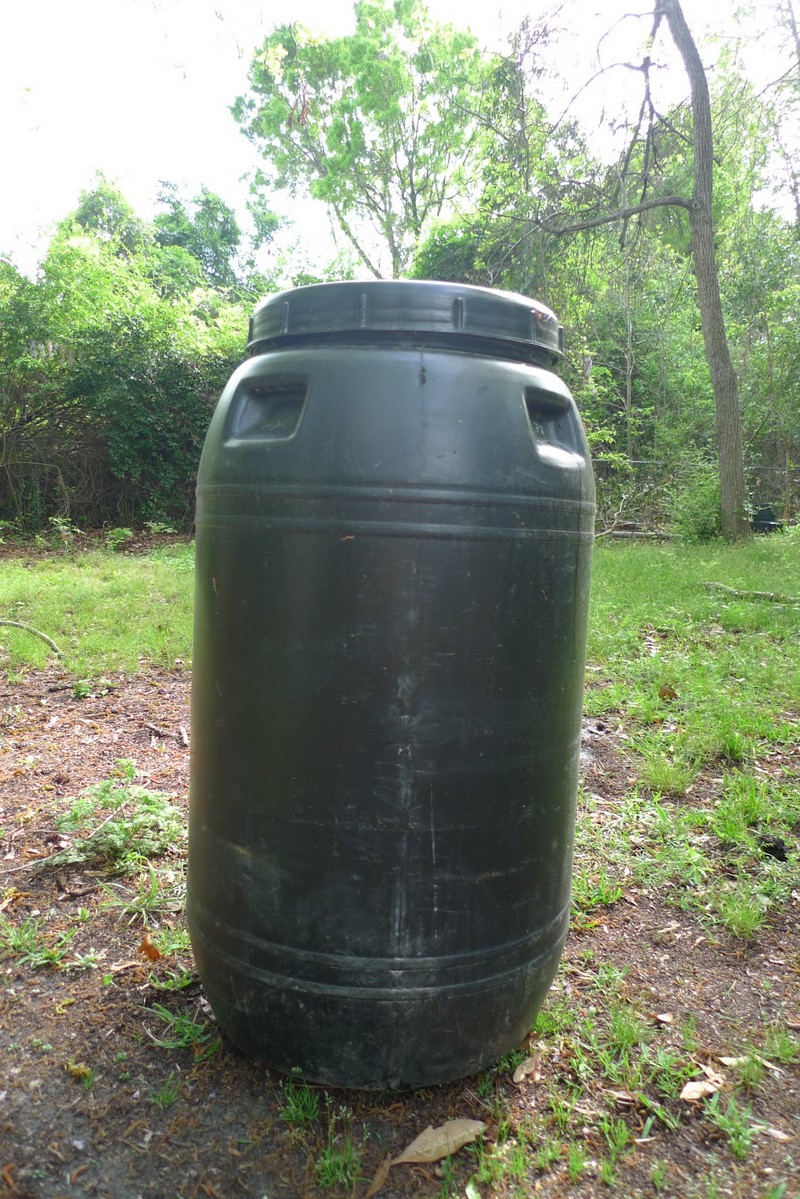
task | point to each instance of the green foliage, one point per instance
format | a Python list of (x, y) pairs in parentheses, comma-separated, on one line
[(200, 244), (339, 1164), (597, 891), (182, 1032), (694, 503), (733, 1121), (118, 824), (379, 124), (112, 359), (451, 252), (106, 215), (117, 538), (300, 1103), (26, 943), (157, 894), (723, 706), (207, 230), (168, 1093)]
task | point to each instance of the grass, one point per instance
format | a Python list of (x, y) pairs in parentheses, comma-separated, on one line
[(156, 894), (182, 1032), (300, 1103), (339, 1163), (704, 687), (29, 943), (698, 678), (167, 1094), (105, 611), (734, 1122)]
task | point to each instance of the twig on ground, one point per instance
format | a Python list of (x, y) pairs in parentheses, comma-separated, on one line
[(68, 892), (17, 624), (768, 597)]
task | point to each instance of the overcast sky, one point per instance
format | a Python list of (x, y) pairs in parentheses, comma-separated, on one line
[(140, 90)]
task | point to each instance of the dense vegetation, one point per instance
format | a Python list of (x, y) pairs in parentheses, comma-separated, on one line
[(436, 159)]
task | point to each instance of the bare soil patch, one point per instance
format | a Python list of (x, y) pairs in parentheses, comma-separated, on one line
[(90, 1105)]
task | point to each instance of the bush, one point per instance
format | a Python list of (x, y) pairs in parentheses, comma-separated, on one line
[(694, 505)]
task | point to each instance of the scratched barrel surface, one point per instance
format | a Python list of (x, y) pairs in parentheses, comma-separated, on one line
[(394, 526)]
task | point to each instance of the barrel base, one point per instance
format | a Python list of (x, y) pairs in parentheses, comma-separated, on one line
[(374, 1038)]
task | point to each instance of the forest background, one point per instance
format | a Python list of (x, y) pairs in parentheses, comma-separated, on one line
[(435, 158)]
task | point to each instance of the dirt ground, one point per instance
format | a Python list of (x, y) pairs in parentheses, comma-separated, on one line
[(91, 1106)]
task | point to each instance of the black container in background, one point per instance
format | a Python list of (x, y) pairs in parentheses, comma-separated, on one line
[(394, 528)]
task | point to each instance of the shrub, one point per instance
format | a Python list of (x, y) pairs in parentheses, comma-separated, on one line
[(694, 506)]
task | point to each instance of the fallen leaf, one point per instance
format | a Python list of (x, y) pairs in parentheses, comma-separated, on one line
[(528, 1070), (741, 1061), (665, 1018), (778, 1135), (12, 895), (471, 1191), (700, 1088), (206, 1008), (667, 692), (435, 1143), (381, 1174), (149, 949)]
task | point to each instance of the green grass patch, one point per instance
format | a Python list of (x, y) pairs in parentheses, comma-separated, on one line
[(704, 686), (699, 675), (104, 610)]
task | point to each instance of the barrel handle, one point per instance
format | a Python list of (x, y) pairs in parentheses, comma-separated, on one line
[(552, 418), (267, 409)]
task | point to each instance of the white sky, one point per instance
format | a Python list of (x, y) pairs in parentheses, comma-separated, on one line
[(140, 89)]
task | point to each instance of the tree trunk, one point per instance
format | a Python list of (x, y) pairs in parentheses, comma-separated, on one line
[(735, 523)]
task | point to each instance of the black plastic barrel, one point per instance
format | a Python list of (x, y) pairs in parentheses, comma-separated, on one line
[(394, 528)]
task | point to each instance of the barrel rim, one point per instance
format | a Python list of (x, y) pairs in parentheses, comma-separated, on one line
[(461, 314)]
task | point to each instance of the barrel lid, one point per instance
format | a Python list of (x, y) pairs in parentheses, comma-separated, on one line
[(451, 310)]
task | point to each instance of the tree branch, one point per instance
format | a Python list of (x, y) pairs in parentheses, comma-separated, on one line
[(351, 237), (621, 214), (16, 624), (769, 597)]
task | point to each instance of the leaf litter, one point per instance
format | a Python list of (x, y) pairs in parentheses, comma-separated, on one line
[(432, 1145)]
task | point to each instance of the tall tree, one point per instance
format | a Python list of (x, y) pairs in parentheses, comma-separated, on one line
[(380, 125), (104, 212), (699, 206), (787, 91), (733, 493), (206, 228)]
